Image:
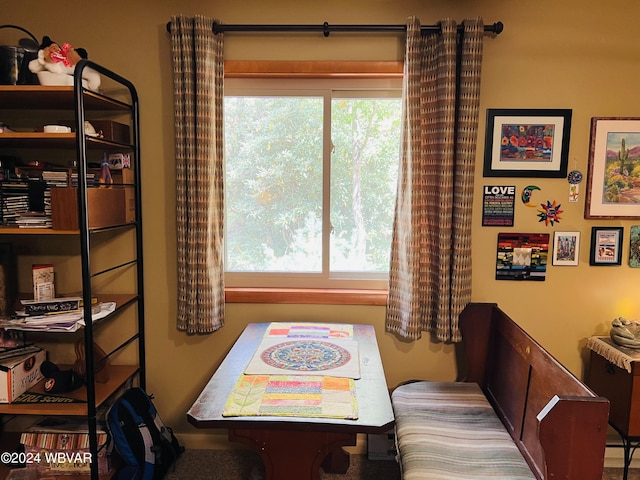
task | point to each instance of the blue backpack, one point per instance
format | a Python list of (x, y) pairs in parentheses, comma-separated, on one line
[(147, 446)]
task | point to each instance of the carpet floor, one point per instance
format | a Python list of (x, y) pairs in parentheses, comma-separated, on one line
[(246, 465)]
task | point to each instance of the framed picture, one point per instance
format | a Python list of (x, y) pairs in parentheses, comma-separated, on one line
[(606, 246), (527, 143), (566, 248), (634, 246), (613, 178), (522, 256)]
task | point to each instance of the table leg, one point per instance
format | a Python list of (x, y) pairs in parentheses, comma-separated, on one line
[(297, 454)]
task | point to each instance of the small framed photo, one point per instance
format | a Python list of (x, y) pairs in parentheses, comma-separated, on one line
[(527, 143), (613, 177), (566, 248), (606, 246)]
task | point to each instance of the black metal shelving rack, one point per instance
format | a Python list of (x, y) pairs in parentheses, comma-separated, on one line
[(80, 93)]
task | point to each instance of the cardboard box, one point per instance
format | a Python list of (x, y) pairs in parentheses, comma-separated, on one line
[(125, 177), (118, 161), (18, 374), (106, 207), (60, 446), (117, 132)]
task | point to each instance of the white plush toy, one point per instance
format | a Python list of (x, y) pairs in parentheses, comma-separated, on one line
[(55, 65)]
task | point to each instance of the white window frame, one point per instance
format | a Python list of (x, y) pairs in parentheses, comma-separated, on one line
[(324, 87)]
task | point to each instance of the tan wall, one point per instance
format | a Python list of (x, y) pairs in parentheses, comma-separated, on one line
[(551, 55)]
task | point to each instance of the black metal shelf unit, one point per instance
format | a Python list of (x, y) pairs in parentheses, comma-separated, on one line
[(86, 232)]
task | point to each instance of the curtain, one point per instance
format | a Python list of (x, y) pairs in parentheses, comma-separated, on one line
[(430, 271), (198, 95)]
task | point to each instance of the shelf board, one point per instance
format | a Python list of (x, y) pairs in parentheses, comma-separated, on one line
[(11, 230), (56, 140), (118, 376), (35, 231), (121, 299), (54, 98)]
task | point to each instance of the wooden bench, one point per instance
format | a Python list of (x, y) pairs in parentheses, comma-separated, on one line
[(516, 412)]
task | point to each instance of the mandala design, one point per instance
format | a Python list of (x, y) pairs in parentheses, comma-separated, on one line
[(574, 177), (306, 356)]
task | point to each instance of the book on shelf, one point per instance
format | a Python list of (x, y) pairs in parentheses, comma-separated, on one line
[(61, 446), (54, 305), (64, 433), (43, 278)]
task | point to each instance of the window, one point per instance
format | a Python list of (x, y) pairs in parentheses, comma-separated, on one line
[(310, 181)]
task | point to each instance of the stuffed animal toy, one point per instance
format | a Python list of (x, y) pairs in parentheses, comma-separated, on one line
[(55, 65)]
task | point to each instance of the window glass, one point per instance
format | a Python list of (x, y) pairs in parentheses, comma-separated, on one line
[(310, 181)]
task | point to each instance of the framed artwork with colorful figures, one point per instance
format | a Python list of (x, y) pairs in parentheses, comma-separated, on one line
[(527, 143)]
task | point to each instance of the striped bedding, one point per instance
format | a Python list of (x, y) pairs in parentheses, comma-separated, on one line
[(449, 431)]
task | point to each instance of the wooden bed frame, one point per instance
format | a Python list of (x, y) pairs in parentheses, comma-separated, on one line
[(557, 422)]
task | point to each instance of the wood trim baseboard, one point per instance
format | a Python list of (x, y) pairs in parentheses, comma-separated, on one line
[(306, 296)]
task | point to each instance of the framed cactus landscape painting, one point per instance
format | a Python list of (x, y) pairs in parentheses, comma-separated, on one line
[(613, 185)]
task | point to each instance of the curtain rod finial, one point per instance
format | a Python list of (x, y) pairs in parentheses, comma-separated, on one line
[(498, 27)]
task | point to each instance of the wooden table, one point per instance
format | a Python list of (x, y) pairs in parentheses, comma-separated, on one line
[(294, 448)]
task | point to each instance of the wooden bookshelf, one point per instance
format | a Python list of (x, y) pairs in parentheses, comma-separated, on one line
[(29, 107)]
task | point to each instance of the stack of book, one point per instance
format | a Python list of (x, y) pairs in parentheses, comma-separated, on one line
[(15, 199), (34, 219), (60, 446), (91, 179), (62, 314), (55, 179)]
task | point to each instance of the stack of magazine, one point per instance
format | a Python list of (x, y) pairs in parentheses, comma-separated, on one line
[(62, 314)]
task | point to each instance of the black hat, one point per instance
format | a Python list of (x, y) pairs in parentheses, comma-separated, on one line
[(59, 381)]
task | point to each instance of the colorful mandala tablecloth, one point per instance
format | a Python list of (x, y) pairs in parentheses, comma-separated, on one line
[(306, 356)]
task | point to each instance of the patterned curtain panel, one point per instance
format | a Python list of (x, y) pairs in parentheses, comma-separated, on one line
[(430, 273), (198, 96)]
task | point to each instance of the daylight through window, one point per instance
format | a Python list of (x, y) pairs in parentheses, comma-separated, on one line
[(310, 181)]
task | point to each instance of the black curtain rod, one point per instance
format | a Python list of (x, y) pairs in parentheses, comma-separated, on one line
[(326, 29)]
